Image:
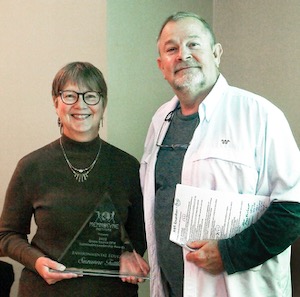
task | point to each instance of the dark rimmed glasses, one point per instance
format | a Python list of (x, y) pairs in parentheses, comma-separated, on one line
[(89, 97)]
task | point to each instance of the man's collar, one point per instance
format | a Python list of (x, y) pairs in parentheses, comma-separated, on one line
[(208, 105)]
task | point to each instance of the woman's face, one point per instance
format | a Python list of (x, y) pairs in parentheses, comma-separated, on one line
[(80, 121)]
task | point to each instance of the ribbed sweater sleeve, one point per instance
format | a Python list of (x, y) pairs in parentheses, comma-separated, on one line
[(275, 231)]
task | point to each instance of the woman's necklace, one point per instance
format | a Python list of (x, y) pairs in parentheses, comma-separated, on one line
[(80, 175)]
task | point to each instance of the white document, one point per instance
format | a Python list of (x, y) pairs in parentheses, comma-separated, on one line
[(206, 214)]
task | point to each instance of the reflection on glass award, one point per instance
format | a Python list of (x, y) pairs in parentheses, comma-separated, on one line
[(101, 246)]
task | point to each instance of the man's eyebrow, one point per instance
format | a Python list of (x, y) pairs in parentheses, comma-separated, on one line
[(171, 41), (194, 36)]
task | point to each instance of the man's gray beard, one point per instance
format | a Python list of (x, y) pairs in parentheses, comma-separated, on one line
[(189, 82)]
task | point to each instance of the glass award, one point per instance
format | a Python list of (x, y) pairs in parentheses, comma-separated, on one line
[(102, 246)]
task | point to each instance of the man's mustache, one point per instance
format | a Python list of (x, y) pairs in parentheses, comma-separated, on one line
[(183, 66)]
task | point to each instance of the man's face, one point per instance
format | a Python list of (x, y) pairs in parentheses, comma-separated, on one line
[(188, 60)]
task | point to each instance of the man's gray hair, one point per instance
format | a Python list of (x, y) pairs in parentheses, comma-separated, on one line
[(181, 15)]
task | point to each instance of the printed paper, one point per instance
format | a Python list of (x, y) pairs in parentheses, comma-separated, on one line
[(206, 214)]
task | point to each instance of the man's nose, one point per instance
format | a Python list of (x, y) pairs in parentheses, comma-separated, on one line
[(184, 53)]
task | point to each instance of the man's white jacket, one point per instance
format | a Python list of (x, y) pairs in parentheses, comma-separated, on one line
[(243, 144)]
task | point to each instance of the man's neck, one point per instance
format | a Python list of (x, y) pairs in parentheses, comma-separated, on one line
[(191, 98), (190, 102)]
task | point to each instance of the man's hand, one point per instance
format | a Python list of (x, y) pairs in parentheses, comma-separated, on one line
[(43, 266), (132, 264), (206, 256)]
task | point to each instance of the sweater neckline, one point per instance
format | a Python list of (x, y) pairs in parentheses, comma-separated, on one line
[(73, 145)]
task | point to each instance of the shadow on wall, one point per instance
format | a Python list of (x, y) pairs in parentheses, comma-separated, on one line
[(7, 278), (295, 268)]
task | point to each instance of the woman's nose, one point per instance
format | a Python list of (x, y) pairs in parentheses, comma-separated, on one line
[(80, 102)]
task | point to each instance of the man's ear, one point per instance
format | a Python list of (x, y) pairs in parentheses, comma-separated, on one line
[(160, 66), (159, 63), (217, 51)]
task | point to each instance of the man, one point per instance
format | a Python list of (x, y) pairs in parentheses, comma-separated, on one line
[(217, 137)]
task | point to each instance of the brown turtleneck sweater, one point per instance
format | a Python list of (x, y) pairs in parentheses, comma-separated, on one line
[(43, 186)]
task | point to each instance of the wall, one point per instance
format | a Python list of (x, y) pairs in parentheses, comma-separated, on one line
[(261, 50), (37, 38), (136, 86)]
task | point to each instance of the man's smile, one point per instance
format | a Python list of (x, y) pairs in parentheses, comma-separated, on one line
[(185, 68)]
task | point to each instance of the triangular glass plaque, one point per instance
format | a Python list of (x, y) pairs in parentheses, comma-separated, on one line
[(99, 245)]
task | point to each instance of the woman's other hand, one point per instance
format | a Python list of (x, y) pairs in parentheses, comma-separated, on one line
[(43, 266), (133, 265)]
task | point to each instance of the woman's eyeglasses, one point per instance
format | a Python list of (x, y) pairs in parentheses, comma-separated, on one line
[(89, 97)]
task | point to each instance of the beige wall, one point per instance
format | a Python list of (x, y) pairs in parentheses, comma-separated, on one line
[(261, 50), (37, 38)]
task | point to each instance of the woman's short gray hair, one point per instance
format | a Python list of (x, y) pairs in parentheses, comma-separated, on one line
[(82, 74)]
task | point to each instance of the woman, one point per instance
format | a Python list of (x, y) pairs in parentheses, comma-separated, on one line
[(61, 184)]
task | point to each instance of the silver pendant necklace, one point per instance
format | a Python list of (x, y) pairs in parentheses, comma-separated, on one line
[(80, 175)]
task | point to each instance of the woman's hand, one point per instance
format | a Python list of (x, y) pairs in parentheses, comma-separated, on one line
[(133, 264), (43, 266), (206, 256)]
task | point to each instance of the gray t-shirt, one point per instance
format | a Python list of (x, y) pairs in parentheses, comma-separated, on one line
[(167, 175)]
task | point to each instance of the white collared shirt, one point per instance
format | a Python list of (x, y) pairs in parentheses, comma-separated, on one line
[(243, 144)]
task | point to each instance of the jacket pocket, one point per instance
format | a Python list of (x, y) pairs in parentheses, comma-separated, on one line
[(225, 169)]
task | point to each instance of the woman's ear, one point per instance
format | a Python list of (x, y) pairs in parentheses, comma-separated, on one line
[(55, 102)]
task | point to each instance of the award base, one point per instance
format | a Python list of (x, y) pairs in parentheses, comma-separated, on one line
[(94, 272)]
